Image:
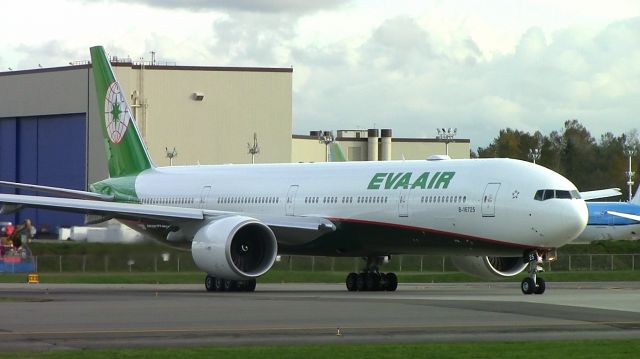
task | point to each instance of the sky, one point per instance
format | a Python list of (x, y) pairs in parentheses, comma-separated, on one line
[(412, 66)]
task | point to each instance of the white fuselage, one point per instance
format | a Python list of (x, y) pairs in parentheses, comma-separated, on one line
[(472, 201)]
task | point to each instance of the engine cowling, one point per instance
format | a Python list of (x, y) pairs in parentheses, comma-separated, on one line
[(236, 248), (490, 267)]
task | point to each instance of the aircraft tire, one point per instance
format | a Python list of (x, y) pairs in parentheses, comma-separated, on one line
[(230, 285), (392, 282), (372, 281), (528, 286), (351, 282), (209, 283), (218, 285), (540, 288), (249, 285), (360, 282)]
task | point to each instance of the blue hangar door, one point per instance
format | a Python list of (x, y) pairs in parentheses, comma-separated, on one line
[(45, 150)]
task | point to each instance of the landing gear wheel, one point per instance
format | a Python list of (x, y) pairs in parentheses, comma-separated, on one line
[(209, 283), (360, 282), (351, 282), (541, 286), (218, 284), (249, 285), (371, 281), (528, 286), (230, 285), (392, 282)]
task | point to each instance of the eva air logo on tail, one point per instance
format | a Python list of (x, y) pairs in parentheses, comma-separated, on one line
[(116, 113)]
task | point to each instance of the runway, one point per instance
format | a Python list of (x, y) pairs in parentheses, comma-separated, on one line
[(49, 316)]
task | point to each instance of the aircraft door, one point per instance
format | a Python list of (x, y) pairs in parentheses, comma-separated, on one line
[(489, 200), (204, 194), (291, 200), (403, 203)]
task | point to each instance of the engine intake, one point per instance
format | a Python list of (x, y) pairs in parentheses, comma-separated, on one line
[(490, 267), (235, 247)]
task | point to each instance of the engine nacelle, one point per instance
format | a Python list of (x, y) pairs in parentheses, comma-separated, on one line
[(490, 267), (235, 247)]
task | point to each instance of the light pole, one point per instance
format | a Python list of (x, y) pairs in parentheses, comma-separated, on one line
[(446, 135), (534, 154), (327, 138), (255, 149), (171, 154), (630, 151)]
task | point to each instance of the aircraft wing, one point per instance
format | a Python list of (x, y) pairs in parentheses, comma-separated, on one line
[(601, 193), (632, 217), (59, 191), (152, 213)]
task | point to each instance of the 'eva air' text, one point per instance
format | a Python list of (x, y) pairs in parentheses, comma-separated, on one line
[(406, 180)]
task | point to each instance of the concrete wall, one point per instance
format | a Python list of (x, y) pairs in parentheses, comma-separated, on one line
[(307, 149), (217, 129)]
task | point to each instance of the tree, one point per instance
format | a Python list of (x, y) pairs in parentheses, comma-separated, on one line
[(572, 152)]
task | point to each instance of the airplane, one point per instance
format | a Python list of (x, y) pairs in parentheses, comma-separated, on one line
[(498, 217), (612, 221)]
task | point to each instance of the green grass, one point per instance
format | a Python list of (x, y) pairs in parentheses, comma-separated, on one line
[(301, 277), (596, 349)]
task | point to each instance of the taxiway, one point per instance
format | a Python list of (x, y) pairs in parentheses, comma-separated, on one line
[(46, 316)]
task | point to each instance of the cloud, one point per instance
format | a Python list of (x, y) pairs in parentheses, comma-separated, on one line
[(398, 70), (251, 6), (414, 80)]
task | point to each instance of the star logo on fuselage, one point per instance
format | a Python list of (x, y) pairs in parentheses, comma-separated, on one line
[(515, 194)]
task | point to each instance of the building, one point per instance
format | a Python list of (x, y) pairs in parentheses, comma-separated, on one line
[(50, 133), (374, 145)]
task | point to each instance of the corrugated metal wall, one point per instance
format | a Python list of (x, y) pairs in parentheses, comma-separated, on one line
[(45, 150)]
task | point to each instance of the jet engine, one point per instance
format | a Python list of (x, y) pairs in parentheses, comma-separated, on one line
[(490, 267), (235, 248)]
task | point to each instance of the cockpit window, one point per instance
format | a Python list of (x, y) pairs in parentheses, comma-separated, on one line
[(538, 196), (545, 194)]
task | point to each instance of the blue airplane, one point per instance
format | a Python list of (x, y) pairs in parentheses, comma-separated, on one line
[(612, 221)]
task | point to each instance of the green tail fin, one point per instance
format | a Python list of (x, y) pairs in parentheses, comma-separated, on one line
[(336, 153), (126, 153)]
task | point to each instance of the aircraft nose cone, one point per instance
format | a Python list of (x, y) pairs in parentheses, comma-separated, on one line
[(575, 220)]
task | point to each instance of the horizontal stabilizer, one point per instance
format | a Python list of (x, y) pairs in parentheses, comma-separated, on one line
[(64, 192)]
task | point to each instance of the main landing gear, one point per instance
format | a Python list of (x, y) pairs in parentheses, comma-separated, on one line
[(533, 284), (370, 279), (214, 284)]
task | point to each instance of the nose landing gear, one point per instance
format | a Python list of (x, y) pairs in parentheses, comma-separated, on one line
[(533, 284)]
